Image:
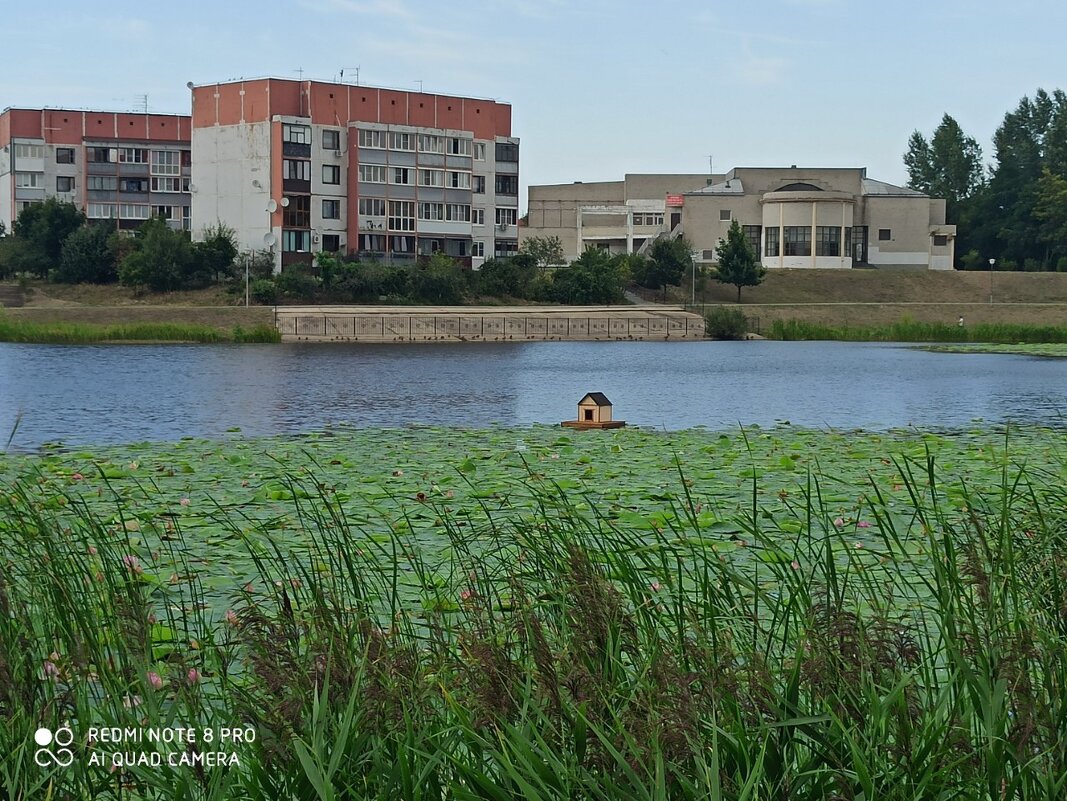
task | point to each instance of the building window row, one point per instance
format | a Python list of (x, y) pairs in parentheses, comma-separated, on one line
[(296, 170), (506, 216), (298, 213), (296, 134), (296, 241), (507, 184), (64, 183), (448, 212), (28, 151), (29, 180), (64, 155), (507, 151), (331, 209), (401, 215), (648, 219), (371, 207)]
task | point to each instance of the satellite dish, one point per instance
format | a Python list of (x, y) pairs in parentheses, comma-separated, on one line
[(285, 202), (272, 205), (269, 239), (192, 187)]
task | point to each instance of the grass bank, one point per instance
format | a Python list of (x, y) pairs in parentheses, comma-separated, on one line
[(913, 331), (430, 614), (18, 330), (1051, 350)]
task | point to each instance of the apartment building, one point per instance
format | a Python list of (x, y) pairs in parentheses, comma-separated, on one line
[(300, 166), (793, 217), (120, 167)]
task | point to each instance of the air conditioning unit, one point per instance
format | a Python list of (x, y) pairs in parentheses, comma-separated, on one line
[(315, 238)]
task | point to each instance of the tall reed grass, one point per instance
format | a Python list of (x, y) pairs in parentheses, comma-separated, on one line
[(13, 330), (913, 331), (562, 656)]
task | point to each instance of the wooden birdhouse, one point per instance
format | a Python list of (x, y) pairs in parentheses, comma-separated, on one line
[(594, 411)]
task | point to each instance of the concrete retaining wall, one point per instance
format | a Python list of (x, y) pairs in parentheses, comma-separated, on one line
[(485, 324)]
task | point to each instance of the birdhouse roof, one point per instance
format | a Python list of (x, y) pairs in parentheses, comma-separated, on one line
[(599, 398)]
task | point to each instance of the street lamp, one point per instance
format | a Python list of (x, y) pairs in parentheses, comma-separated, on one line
[(992, 263)]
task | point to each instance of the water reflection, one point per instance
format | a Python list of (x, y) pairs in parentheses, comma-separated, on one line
[(94, 394)]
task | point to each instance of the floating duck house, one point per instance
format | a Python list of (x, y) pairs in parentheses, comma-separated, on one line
[(594, 411)]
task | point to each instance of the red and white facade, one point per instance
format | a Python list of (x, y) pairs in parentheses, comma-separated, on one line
[(298, 167), (120, 167)]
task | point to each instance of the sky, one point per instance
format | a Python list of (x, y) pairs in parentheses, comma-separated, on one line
[(599, 88)]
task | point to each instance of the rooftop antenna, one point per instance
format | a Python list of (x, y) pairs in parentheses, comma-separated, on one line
[(350, 68), (420, 86), (711, 166), (143, 102), (300, 72)]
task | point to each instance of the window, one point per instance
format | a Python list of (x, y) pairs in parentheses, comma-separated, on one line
[(457, 212), (506, 216), (478, 249), (940, 240), (137, 185), (169, 184), (402, 141), (478, 216), (101, 211), (459, 180), (296, 241), (725, 215), (885, 234), (648, 219), (401, 215), (165, 162), (431, 211), (28, 180), (771, 245), (331, 209), (401, 175), (331, 243), (166, 212), (102, 183), (797, 240), (431, 177), (297, 134), (431, 144), (848, 243), (371, 174), (506, 248), (375, 139), (827, 240), (459, 147), (331, 140), (331, 174), (298, 213), (402, 244), (372, 207), (479, 151), (373, 242), (478, 184), (133, 211), (507, 184), (133, 155), (507, 151), (64, 155), (101, 154), (24, 151), (296, 170), (65, 183), (752, 235)]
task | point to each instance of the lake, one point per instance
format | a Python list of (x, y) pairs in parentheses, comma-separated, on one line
[(94, 394)]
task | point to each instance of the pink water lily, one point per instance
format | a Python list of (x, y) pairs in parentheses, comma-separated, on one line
[(795, 564), (184, 501), (154, 680), (133, 564), (656, 586), (231, 617), (194, 676), (838, 522), (863, 524), (76, 477)]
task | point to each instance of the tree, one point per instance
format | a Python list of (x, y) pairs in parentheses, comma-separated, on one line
[(546, 250), (737, 261), (162, 258), (215, 253), (668, 261), (1050, 207), (1031, 138), (597, 277), (86, 257), (43, 227), (949, 166)]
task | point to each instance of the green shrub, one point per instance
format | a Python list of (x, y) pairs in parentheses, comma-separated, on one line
[(724, 322), (263, 291)]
